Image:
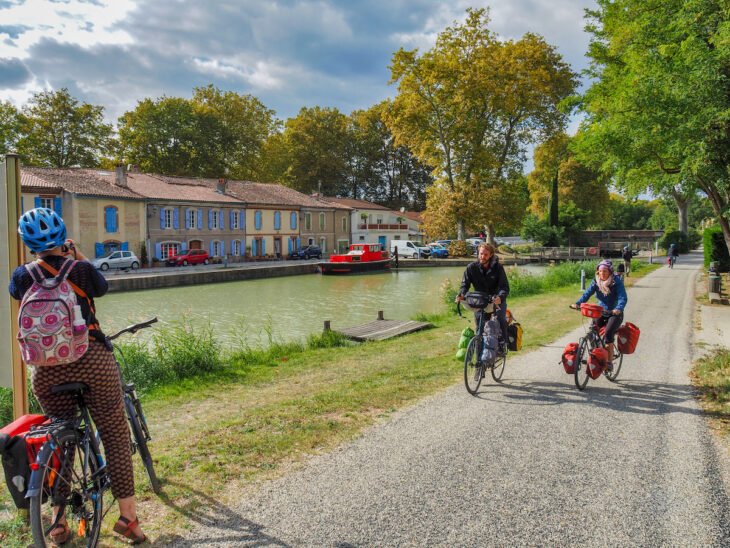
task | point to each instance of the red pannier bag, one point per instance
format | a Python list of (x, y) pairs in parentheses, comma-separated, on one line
[(18, 450), (591, 310), (571, 349), (597, 362), (627, 338)]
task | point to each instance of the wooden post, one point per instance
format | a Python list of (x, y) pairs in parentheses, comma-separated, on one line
[(327, 326), (16, 258), (380, 314)]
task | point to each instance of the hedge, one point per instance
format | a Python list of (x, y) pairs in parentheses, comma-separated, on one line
[(716, 248)]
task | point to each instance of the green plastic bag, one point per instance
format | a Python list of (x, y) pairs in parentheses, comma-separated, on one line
[(461, 353), (464, 341), (467, 332)]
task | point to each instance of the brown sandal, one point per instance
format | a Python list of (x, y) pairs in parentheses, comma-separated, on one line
[(124, 527), (62, 534)]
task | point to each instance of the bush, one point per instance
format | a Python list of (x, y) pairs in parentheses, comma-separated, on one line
[(460, 248), (715, 248), (684, 242)]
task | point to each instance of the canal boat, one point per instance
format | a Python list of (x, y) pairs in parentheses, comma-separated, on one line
[(360, 258)]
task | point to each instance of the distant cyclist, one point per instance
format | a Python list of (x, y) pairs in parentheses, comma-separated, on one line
[(611, 295), (626, 255), (672, 254)]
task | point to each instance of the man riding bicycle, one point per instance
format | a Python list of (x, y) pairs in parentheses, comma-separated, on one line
[(672, 254), (488, 276), (611, 295)]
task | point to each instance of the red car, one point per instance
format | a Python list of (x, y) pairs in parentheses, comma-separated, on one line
[(189, 256)]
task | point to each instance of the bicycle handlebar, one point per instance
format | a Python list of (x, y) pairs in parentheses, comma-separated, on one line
[(132, 328), (605, 313)]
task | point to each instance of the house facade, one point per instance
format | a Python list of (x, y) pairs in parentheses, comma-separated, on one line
[(325, 224), (373, 223)]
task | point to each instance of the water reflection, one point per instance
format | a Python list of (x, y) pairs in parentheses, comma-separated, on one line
[(290, 308)]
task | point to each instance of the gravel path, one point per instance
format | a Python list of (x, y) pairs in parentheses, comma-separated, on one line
[(531, 462)]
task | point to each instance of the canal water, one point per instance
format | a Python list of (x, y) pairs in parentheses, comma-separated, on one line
[(284, 309)]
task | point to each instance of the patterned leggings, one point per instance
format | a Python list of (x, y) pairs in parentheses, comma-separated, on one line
[(98, 369)]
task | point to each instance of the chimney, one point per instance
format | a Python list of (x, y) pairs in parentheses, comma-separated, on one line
[(221, 186), (121, 176)]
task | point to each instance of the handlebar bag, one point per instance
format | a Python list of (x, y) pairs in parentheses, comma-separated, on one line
[(17, 454), (591, 310), (478, 300), (627, 338), (597, 362), (571, 349)]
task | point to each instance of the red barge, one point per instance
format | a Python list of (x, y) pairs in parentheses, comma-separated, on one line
[(360, 258)]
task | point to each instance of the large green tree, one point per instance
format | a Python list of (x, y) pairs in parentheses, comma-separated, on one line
[(10, 127), (58, 131), (469, 106), (658, 111)]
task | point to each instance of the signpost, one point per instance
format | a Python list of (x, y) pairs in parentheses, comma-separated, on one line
[(12, 370)]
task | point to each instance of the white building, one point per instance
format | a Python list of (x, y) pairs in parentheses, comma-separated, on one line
[(372, 223)]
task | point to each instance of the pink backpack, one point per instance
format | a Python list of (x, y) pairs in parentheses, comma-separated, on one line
[(51, 328)]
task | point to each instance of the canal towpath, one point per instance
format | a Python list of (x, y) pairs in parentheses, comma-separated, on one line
[(531, 461)]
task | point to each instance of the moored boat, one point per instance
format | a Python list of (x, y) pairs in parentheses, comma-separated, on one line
[(360, 258)]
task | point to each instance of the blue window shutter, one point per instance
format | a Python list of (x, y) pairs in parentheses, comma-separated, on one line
[(263, 246), (200, 218), (293, 220), (221, 218), (277, 220), (114, 219), (290, 246), (187, 218), (210, 219), (253, 247), (242, 221), (37, 202), (57, 206), (233, 247), (176, 218), (183, 246), (257, 220), (158, 251), (233, 218), (125, 246), (98, 249), (162, 218), (298, 244), (107, 220)]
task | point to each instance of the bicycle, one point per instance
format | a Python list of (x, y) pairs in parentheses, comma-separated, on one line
[(474, 367), (671, 260), (594, 339), (70, 471)]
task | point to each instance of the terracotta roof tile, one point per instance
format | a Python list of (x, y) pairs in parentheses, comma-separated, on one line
[(356, 204), (82, 181), (414, 216), (158, 187), (29, 180)]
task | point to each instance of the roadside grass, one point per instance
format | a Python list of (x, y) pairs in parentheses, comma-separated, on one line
[(264, 411), (711, 377)]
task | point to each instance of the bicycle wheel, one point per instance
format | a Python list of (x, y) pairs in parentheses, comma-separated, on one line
[(498, 367), (581, 362), (70, 477), (139, 441), (618, 359), (473, 366)]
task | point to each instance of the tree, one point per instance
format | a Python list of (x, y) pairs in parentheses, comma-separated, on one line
[(10, 127), (658, 108), (60, 132), (469, 106)]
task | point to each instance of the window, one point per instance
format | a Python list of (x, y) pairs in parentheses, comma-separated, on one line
[(362, 238), (323, 244), (234, 220), (236, 247), (310, 241), (217, 249), (293, 221), (308, 221), (379, 220), (257, 220), (213, 219), (170, 249), (168, 218), (277, 220), (344, 224), (192, 218), (322, 221), (110, 218), (47, 202)]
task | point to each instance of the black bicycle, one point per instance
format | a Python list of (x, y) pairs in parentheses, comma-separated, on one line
[(474, 367), (70, 473), (594, 339)]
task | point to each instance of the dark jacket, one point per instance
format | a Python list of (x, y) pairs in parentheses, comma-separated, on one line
[(627, 255), (491, 280)]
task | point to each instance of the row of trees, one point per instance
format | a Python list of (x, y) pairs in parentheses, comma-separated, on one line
[(223, 134)]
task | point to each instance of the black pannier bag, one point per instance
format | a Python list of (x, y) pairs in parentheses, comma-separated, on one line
[(477, 299)]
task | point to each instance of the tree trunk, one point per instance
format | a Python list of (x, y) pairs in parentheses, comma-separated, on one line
[(460, 229), (489, 233), (682, 203), (554, 202), (718, 205)]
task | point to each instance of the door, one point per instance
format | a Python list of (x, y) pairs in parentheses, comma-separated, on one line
[(381, 241), (277, 247)]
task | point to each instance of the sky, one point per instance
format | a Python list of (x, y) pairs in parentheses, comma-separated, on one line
[(288, 53)]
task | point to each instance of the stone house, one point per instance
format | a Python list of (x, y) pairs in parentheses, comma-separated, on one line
[(373, 223)]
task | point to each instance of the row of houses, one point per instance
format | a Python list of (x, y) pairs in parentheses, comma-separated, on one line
[(126, 209)]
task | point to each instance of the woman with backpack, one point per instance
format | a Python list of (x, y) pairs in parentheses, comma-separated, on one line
[(44, 233), (611, 295)]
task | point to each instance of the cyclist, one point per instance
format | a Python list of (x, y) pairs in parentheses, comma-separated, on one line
[(672, 254), (44, 232), (487, 275), (611, 295), (626, 255)]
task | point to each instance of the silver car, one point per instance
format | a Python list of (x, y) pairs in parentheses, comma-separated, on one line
[(117, 259)]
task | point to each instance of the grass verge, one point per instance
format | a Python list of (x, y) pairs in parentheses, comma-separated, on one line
[(711, 377), (221, 433)]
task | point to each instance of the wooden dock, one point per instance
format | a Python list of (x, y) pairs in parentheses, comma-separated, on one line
[(380, 329)]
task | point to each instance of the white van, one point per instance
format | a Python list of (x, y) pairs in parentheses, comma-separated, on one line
[(407, 248)]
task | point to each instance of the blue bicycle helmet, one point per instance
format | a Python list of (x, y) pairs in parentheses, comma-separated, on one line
[(41, 229)]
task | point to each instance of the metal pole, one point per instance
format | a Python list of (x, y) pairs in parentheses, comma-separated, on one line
[(650, 257), (582, 280)]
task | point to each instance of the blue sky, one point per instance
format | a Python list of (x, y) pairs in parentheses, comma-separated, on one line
[(288, 53)]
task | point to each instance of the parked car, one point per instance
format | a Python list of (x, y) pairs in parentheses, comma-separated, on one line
[(307, 252), (444, 243), (189, 256), (438, 251), (117, 259), (408, 248), (475, 241)]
